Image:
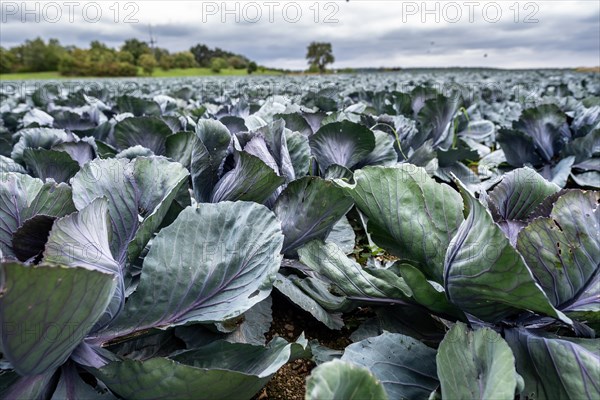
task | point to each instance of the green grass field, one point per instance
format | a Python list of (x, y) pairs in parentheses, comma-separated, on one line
[(159, 73)]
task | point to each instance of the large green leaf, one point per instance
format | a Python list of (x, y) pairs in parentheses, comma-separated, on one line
[(343, 235), (287, 286), (299, 149), (72, 387), (384, 152), (337, 379), (139, 193), (53, 164), (8, 165), (82, 239), (179, 147), (26, 387), (36, 138), (427, 293), (218, 371), (22, 198), (138, 106), (405, 366), (544, 124), (251, 180), (476, 365), (46, 311), (554, 367), (516, 197), (563, 250), (212, 263), (149, 132), (276, 138), (485, 276), (410, 215), (208, 155), (520, 192), (308, 209), (343, 143), (436, 121), (373, 285)]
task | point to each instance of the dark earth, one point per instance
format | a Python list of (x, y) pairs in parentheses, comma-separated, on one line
[(289, 322)]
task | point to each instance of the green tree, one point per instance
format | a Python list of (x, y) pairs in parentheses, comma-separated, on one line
[(7, 61), (252, 67), (148, 63), (217, 64), (159, 53), (137, 48), (237, 62), (126, 57), (184, 59), (202, 54), (320, 54), (33, 56), (54, 52), (166, 62)]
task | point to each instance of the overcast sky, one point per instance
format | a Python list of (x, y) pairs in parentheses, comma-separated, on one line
[(367, 33)]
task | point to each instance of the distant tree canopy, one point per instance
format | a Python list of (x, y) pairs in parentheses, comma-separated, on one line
[(148, 63), (184, 59), (217, 64), (136, 48), (318, 55), (36, 56), (252, 67), (204, 56), (101, 60)]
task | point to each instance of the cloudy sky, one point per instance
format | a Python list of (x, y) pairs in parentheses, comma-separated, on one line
[(364, 33)]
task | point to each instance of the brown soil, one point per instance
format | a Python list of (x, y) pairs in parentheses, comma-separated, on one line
[(289, 322)]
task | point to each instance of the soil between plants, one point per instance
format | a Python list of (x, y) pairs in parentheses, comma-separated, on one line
[(289, 321)]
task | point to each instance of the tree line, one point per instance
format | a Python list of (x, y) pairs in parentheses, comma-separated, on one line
[(133, 57)]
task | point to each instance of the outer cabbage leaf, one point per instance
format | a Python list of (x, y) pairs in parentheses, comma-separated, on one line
[(563, 250), (46, 311), (211, 264), (343, 143), (23, 197), (139, 192), (308, 208), (208, 155), (555, 367), (476, 365), (405, 366), (149, 132), (343, 380), (82, 239), (218, 371), (372, 285), (485, 276), (410, 215)]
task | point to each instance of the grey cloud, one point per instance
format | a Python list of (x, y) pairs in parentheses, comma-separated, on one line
[(558, 38)]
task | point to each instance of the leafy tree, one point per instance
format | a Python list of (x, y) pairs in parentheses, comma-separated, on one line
[(53, 52), (184, 59), (7, 61), (159, 53), (137, 48), (125, 56), (202, 54), (166, 62), (217, 64), (34, 52), (320, 54), (148, 63), (237, 62), (252, 67)]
